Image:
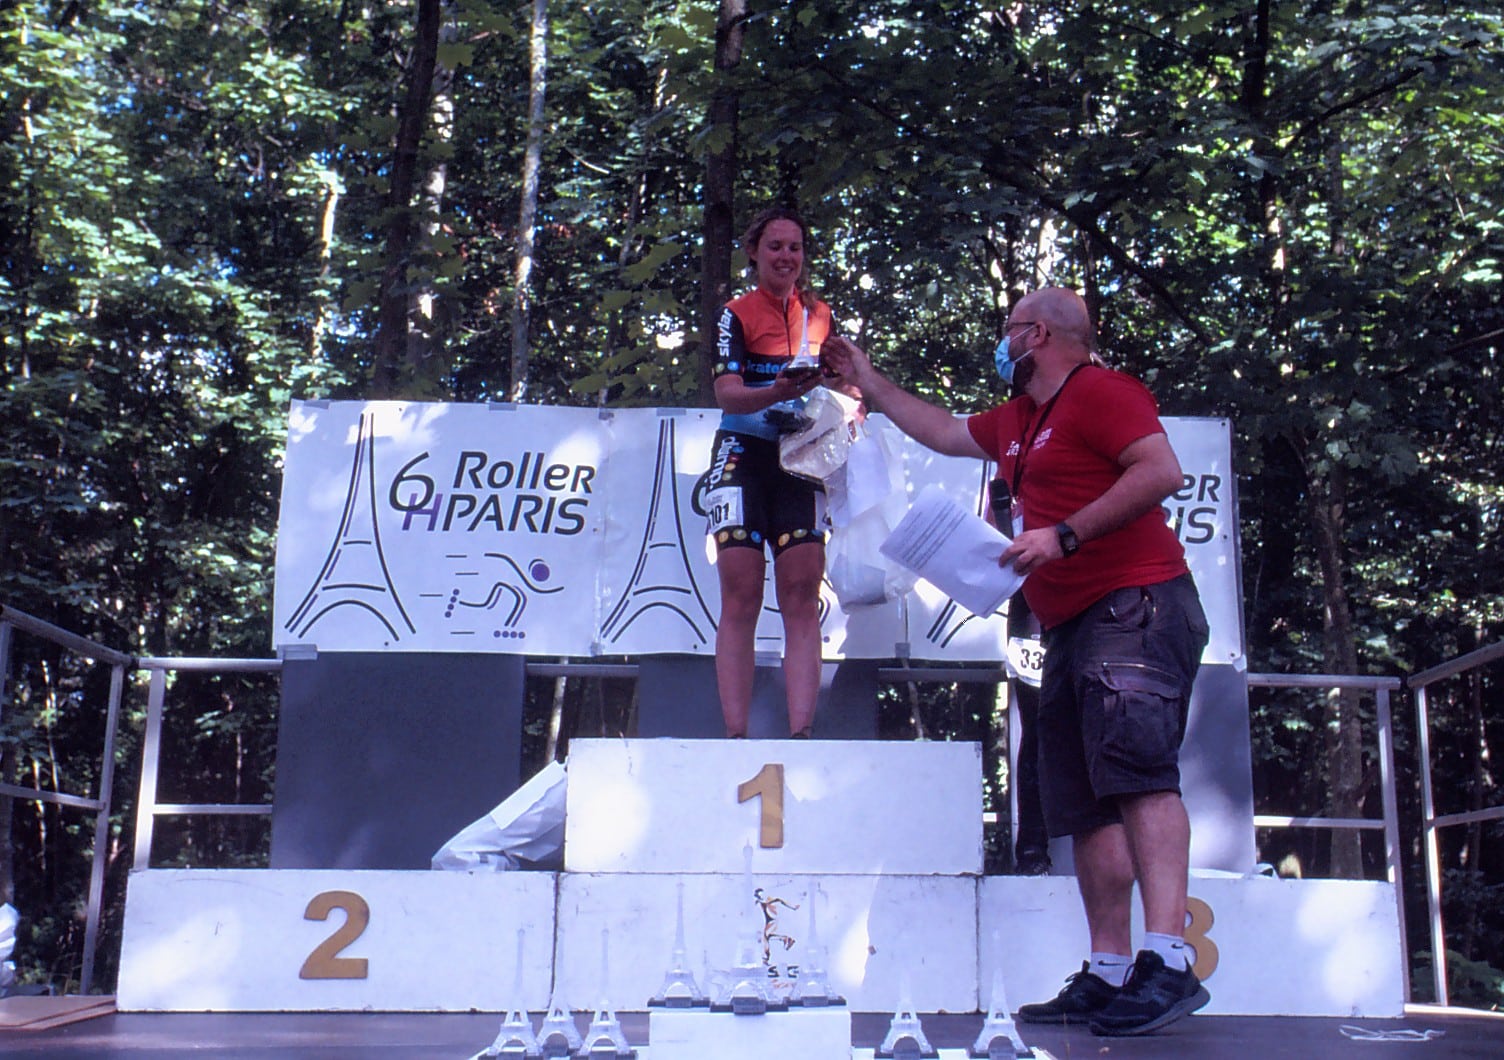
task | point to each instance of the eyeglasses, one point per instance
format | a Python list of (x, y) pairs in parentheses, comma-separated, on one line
[(1018, 324)]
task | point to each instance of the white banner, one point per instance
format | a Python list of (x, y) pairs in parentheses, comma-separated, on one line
[(537, 530)]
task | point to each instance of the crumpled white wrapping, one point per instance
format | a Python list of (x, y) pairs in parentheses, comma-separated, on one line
[(867, 499), (9, 919), (818, 450), (525, 832)]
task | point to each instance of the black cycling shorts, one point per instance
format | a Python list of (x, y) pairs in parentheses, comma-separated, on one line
[(750, 500)]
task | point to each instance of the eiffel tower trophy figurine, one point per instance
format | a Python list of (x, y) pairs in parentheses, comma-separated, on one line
[(605, 1038), (905, 1039), (515, 1038), (814, 986), (747, 993), (999, 1038), (679, 988), (560, 1037)]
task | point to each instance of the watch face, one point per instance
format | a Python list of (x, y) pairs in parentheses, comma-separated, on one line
[(1068, 540)]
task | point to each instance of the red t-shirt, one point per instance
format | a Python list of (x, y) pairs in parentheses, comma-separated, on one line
[(1073, 460)]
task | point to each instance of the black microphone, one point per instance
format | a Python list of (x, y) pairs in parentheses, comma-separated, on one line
[(1002, 504)]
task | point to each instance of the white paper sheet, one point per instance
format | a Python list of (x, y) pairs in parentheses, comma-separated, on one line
[(955, 551)]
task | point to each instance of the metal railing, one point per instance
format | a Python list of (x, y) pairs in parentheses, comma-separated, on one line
[(1431, 823), (148, 809), (1389, 823), (99, 805)]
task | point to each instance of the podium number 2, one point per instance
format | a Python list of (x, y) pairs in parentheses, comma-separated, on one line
[(325, 962), (769, 785)]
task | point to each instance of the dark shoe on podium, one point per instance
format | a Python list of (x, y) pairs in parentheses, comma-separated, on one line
[(1032, 861), (1153, 997), (1082, 998)]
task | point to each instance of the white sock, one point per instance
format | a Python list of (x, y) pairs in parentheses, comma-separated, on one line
[(1112, 967), (1172, 948)]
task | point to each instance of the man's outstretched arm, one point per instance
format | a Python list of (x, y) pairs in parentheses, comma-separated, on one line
[(929, 425)]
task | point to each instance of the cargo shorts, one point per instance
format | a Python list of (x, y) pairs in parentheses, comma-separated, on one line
[(1114, 697)]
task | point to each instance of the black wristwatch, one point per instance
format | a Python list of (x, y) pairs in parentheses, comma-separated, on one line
[(1069, 542)]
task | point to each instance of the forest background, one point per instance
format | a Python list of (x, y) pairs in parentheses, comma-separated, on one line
[(1289, 213)]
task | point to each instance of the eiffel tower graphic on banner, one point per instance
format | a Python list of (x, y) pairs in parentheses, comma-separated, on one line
[(662, 577), (952, 617), (355, 573)]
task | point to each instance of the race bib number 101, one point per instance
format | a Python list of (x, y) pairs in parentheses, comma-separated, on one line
[(723, 507)]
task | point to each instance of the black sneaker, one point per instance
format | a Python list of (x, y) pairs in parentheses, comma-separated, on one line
[(1153, 997), (1032, 861), (1083, 996)]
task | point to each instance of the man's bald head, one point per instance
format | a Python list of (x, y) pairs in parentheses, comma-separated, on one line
[(1064, 311)]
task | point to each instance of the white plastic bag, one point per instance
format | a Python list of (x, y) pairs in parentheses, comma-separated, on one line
[(866, 502), (9, 919), (525, 831)]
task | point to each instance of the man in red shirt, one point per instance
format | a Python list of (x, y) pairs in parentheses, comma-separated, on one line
[(1088, 464)]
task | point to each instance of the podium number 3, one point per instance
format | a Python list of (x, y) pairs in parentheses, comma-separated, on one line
[(1199, 921), (769, 785), (325, 962)]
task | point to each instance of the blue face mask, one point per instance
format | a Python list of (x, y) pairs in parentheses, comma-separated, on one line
[(1006, 364)]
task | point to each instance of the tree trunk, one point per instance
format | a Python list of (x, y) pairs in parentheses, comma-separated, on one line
[(1344, 722), (1255, 100), (391, 320), (326, 247), (720, 185), (522, 308), (556, 718), (422, 342)]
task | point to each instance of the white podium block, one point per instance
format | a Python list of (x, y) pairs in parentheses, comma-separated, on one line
[(799, 1034), (1263, 946), (285, 940), (874, 929), (807, 806)]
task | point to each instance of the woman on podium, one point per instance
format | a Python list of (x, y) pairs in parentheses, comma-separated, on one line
[(767, 361)]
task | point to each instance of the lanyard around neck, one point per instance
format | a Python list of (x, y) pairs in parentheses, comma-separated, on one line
[(1044, 414)]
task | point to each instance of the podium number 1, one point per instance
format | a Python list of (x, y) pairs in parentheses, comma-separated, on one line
[(768, 784)]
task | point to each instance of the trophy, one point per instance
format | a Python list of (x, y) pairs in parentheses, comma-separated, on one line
[(516, 1038), (747, 991), (999, 1038), (814, 987), (905, 1039), (679, 988), (605, 1038), (558, 1034)]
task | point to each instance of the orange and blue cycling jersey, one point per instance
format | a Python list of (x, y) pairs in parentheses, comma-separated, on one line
[(757, 335)]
